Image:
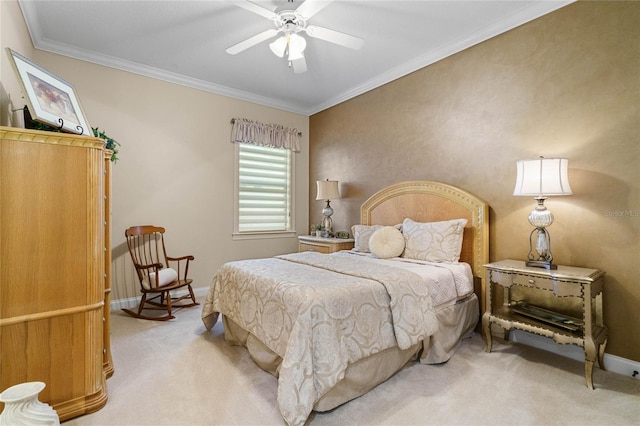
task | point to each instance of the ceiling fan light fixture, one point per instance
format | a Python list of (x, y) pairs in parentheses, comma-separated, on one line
[(279, 46), (289, 23)]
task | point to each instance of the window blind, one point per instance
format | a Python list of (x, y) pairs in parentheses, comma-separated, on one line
[(263, 188)]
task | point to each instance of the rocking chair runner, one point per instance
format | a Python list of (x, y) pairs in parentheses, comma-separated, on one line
[(158, 274)]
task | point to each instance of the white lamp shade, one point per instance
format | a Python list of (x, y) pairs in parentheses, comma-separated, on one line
[(278, 47), (327, 190), (297, 44), (542, 177)]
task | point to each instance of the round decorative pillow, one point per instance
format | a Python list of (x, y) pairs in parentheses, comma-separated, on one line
[(386, 242)]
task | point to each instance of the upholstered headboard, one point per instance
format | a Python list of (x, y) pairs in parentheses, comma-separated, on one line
[(426, 201)]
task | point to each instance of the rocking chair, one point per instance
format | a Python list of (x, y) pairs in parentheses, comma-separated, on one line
[(159, 275)]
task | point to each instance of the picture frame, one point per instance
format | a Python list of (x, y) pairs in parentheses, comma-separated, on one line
[(50, 99)]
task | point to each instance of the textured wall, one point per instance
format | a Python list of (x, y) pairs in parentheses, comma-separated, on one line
[(566, 84)]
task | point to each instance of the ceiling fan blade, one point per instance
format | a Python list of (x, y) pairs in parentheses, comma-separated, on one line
[(299, 65), (252, 41), (336, 37), (252, 7), (311, 7)]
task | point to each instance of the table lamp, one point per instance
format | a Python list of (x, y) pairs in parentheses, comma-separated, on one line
[(541, 178), (327, 190)]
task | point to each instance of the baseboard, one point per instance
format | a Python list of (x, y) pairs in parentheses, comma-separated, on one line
[(132, 302), (612, 363)]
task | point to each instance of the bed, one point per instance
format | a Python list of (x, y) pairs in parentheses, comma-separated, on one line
[(333, 326)]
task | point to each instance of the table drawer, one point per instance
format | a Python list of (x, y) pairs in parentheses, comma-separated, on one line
[(531, 281), (558, 287), (313, 247), (502, 278)]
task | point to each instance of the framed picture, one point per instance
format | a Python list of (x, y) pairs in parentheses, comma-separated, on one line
[(50, 99)]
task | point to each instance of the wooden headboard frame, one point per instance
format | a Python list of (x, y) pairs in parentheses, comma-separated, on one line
[(426, 201)]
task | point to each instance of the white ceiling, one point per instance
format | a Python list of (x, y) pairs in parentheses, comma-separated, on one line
[(184, 42)]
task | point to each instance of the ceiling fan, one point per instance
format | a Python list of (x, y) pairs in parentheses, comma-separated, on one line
[(289, 23)]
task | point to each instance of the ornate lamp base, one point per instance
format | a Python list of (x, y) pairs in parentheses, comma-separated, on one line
[(540, 238), (541, 264), (327, 223)]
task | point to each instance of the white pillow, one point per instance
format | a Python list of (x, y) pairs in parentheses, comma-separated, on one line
[(433, 241), (361, 235), (387, 242), (165, 276)]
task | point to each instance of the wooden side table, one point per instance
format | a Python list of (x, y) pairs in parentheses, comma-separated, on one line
[(324, 245), (563, 304)]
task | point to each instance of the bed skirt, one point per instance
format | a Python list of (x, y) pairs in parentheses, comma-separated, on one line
[(455, 322)]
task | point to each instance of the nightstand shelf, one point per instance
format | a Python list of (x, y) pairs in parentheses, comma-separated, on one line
[(564, 305), (505, 316), (324, 245)]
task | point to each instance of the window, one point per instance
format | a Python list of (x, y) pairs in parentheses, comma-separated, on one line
[(263, 189)]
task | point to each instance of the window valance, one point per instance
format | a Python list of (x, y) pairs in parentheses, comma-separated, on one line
[(272, 135)]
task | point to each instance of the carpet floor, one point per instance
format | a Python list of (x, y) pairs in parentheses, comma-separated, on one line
[(179, 373)]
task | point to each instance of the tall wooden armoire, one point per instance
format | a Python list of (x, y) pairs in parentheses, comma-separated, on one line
[(54, 275)]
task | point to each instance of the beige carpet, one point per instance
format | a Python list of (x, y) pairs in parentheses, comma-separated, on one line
[(177, 373)]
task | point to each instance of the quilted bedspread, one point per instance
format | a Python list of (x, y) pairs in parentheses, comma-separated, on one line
[(320, 313)]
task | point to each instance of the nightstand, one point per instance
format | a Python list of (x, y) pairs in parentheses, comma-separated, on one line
[(564, 305), (324, 245)]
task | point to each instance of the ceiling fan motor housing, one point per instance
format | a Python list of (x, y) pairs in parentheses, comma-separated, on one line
[(290, 22)]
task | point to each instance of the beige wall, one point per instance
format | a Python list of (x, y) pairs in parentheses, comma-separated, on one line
[(176, 165), (13, 34), (566, 84)]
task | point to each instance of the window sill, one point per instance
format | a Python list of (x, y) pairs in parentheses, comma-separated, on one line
[(237, 236)]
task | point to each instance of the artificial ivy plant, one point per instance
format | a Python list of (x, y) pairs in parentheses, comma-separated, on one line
[(110, 143)]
